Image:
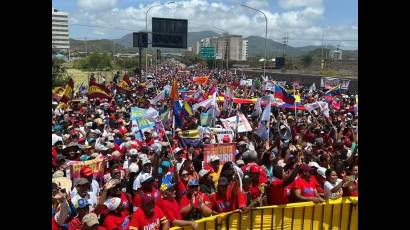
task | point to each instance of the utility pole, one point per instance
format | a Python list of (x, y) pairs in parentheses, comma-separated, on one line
[(322, 63), (86, 52), (285, 42)]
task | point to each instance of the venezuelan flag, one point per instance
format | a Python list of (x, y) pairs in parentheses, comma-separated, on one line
[(337, 90), (285, 96), (187, 110)]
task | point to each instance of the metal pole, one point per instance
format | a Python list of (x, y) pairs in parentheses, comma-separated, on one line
[(266, 34)]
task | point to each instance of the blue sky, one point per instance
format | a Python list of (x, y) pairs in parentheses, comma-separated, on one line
[(301, 19)]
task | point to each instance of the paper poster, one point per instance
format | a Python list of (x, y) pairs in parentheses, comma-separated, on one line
[(225, 152), (242, 124)]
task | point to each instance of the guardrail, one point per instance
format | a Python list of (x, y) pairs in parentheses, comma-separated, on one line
[(341, 213)]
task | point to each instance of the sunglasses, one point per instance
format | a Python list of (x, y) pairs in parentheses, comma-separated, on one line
[(184, 175)]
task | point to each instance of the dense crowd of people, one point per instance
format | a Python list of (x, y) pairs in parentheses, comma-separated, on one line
[(160, 180)]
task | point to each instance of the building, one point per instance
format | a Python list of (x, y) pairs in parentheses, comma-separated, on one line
[(196, 46), (60, 35), (244, 56)]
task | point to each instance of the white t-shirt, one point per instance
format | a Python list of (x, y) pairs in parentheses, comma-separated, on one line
[(136, 184), (329, 186), (95, 188), (91, 198)]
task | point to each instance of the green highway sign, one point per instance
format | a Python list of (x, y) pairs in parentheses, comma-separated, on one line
[(207, 53)]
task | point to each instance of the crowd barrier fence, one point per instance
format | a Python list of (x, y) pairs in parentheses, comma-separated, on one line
[(340, 213)]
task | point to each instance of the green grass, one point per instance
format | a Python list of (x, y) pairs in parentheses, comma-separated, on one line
[(82, 76)]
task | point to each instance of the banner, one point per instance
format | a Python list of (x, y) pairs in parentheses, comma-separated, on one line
[(189, 134), (202, 80), (243, 125), (96, 90), (140, 124), (269, 85), (329, 82), (220, 133), (206, 119), (225, 152), (96, 165), (247, 82)]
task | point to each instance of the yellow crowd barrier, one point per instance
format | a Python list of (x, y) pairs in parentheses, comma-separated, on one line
[(341, 214)]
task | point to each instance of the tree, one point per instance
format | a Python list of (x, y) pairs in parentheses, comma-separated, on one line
[(95, 61), (307, 61), (59, 73)]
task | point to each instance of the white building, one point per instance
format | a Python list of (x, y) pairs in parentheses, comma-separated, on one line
[(244, 56), (60, 35)]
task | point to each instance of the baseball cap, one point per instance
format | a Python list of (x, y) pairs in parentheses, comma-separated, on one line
[(166, 164), (241, 143), (133, 152), (90, 219), (82, 181), (314, 164), (226, 139), (84, 157), (113, 203), (254, 169), (133, 168), (81, 203), (178, 151), (146, 161), (240, 162), (214, 158), (193, 182), (223, 181), (146, 177), (203, 172)]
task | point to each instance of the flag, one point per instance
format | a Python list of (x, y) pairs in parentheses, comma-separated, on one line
[(269, 85), (213, 89), (263, 128), (68, 93), (96, 90), (174, 94), (258, 109), (207, 103), (206, 119), (311, 106), (186, 110), (337, 90), (335, 105), (283, 95), (177, 114), (324, 107), (202, 80), (228, 98), (124, 85), (312, 88), (165, 116), (160, 96), (57, 93)]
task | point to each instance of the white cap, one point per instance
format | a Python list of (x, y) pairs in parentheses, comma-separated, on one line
[(146, 161), (133, 168), (145, 177), (112, 203), (313, 164), (214, 158)]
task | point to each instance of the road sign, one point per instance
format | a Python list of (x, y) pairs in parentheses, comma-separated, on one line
[(207, 53)]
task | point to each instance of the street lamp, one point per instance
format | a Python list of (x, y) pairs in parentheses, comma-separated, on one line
[(146, 29), (266, 34)]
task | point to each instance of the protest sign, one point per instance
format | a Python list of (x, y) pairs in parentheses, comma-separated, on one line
[(225, 152), (220, 133), (202, 80), (247, 82), (191, 134), (243, 125), (206, 119), (140, 124), (96, 165), (329, 82)]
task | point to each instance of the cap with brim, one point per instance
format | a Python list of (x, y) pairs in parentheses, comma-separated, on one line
[(82, 181), (145, 178), (90, 220), (193, 182), (113, 203), (166, 164), (240, 162), (146, 161), (81, 203)]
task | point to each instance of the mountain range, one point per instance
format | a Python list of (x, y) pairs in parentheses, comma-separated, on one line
[(255, 45)]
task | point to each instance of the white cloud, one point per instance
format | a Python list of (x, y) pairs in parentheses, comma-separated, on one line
[(95, 5), (258, 4), (203, 15), (287, 4)]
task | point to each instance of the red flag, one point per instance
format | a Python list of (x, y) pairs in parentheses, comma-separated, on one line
[(68, 93), (124, 85), (212, 90), (96, 90)]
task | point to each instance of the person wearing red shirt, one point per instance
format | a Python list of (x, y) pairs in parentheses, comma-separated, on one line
[(280, 188), (83, 209), (353, 190), (195, 204), (148, 217), (182, 185), (147, 189), (115, 219), (305, 186), (171, 208), (256, 187), (225, 199), (90, 222), (115, 191)]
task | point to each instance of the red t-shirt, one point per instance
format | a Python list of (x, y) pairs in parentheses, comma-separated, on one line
[(54, 225), (75, 224), (141, 222), (185, 201), (255, 192), (181, 188), (278, 194), (126, 202), (221, 204), (263, 178), (137, 198), (170, 208), (307, 187), (113, 221)]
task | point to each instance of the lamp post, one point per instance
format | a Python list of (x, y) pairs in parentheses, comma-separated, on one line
[(146, 29), (266, 34)]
